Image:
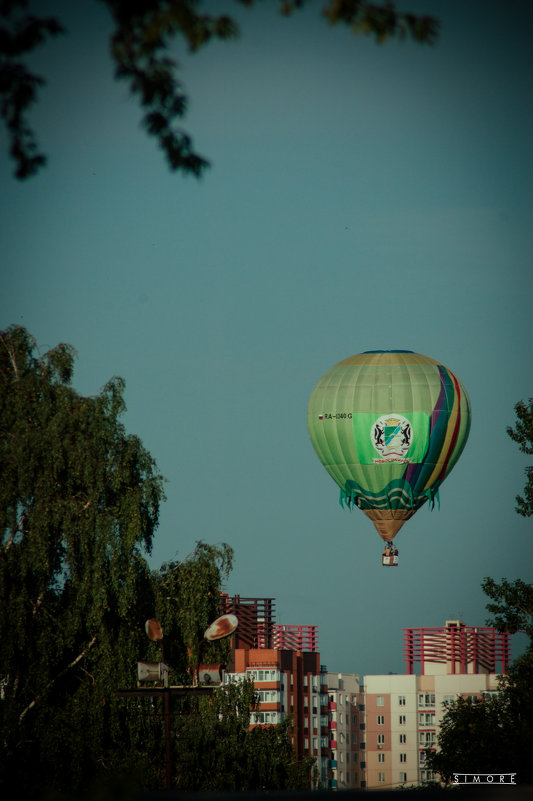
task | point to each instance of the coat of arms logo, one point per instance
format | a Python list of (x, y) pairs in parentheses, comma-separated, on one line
[(391, 436)]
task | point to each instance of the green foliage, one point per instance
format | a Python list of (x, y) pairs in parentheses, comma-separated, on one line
[(79, 502), (495, 734), (143, 34), (472, 739), (216, 752), (187, 602), (21, 33), (523, 435), (512, 605)]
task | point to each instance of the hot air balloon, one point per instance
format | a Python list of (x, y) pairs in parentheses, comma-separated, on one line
[(388, 426)]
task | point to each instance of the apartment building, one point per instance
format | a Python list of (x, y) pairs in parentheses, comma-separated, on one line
[(402, 713), (345, 701), (290, 683), (284, 663)]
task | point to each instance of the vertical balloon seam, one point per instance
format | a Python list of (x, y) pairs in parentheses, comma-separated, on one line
[(449, 433), (464, 429), (324, 445), (412, 470), (457, 414), (437, 434)]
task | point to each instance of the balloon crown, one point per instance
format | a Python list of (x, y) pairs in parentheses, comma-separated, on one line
[(388, 351)]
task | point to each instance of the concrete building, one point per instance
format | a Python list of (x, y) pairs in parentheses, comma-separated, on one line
[(290, 683), (402, 713), (345, 716), (402, 718), (284, 663)]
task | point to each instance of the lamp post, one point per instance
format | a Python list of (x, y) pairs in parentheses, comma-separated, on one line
[(222, 627)]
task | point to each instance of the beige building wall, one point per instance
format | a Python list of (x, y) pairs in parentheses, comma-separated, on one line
[(345, 716), (390, 728), (402, 717)]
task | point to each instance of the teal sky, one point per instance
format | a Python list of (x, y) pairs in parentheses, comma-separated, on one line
[(360, 197)]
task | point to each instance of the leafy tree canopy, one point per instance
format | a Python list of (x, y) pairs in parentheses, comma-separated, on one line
[(512, 605), (144, 31), (79, 503), (187, 602), (522, 433), (218, 753), (496, 733)]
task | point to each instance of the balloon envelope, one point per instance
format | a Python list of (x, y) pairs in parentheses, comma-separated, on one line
[(388, 426)]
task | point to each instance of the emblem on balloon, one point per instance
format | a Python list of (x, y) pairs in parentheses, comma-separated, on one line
[(391, 437), (385, 463)]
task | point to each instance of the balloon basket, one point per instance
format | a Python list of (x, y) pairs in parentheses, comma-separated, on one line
[(389, 561)]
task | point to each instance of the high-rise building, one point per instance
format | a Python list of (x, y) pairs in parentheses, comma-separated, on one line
[(284, 664), (456, 648), (345, 716), (403, 713)]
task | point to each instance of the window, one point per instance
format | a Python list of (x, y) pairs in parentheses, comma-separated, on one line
[(403, 757), (403, 738), (403, 776), (269, 696), (381, 757), (448, 699), (381, 720), (264, 675), (381, 739), (380, 700), (381, 777), (401, 700), (354, 739), (266, 717), (402, 720)]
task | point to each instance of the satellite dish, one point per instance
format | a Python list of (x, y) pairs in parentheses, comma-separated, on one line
[(154, 630), (222, 627)]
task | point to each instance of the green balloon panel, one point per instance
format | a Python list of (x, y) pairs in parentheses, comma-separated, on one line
[(388, 426)]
